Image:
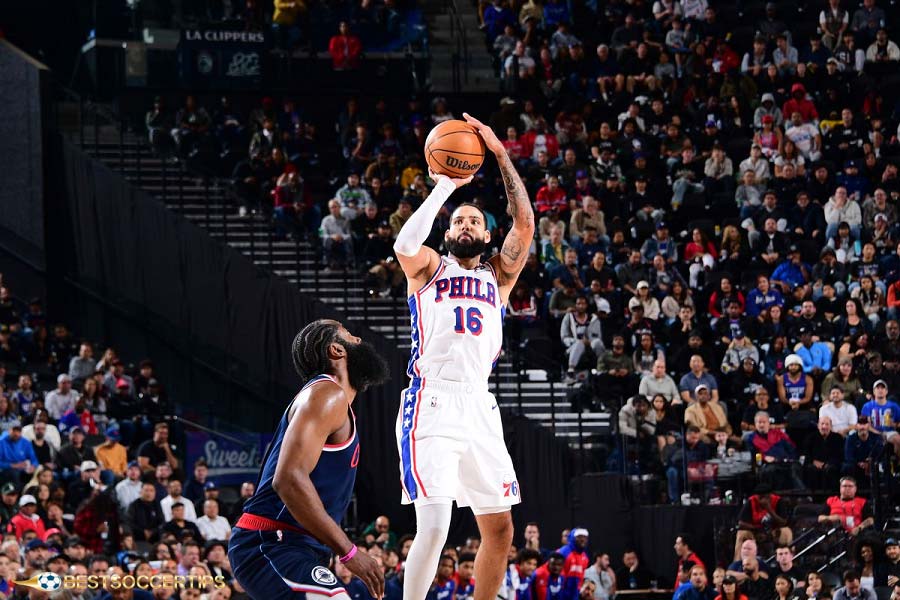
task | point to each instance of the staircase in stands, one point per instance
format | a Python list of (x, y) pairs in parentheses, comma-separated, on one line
[(208, 205)]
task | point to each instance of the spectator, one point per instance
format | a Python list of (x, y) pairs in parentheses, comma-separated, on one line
[(157, 450), (698, 588), (774, 450), (62, 399), (785, 567), (824, 456), (112, 455), (82, 366), (852, 589), (183, 529), (882, 51), (892, 568), (764, 515), (658, 382), (730, 590), (862, 449), (615, 369), (144, 514), (548, 579), (842, 414), (580, 331), (17, 458), (212, 526), (633, 575), (696, 377), (755, 585), (883, 415), (129, 489), (174, 497), (676, 459), (603, 576), (705, 414), (847, 511), (27, 519), (345, 49)]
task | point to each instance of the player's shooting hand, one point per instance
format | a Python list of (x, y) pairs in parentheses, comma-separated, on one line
[(487, 134), (457, 182), (368, 570)]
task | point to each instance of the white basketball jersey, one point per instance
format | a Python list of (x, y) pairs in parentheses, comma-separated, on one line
[(457, 324)]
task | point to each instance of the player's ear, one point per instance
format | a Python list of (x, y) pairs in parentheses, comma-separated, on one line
[(336, 351), (487, 236)]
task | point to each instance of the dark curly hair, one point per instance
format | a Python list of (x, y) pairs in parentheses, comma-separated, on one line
[(309, 351)]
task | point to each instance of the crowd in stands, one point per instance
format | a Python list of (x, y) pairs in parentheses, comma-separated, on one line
[(717, 254), (90, 482), (717, 204)]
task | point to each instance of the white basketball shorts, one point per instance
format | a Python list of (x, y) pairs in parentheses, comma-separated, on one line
[(450, 438)]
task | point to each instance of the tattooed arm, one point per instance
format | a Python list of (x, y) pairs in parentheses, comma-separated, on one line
[(511, 260)]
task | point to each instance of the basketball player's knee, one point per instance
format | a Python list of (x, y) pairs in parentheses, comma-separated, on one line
[(497, 528)]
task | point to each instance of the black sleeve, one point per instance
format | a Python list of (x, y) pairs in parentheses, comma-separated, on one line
[(746, 515), (867, 510), (781, 510)]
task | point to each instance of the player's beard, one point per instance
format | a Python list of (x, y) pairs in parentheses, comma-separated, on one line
[(365, 367), (468, 249)]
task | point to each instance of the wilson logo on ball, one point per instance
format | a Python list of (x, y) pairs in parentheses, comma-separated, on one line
[(464, 165)]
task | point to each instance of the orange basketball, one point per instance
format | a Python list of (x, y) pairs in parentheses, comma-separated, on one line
[(454, 149)]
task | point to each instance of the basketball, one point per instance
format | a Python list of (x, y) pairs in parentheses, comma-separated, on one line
[(454, 149)]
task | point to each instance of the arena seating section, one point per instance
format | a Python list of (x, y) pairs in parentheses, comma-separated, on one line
[(744, 162)]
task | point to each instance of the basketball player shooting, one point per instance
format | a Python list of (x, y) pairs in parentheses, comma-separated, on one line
[(448, 430), (290, 528)]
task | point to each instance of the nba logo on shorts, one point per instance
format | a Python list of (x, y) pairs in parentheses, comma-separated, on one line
[(510, 488)]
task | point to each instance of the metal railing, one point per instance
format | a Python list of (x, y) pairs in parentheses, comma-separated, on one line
[(459, 41)]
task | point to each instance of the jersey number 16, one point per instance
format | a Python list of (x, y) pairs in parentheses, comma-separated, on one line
[(471, 320)]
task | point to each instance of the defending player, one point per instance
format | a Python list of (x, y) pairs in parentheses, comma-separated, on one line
[(290, 528), (449, 430)]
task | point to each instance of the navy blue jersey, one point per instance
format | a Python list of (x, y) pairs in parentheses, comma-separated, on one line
[(794, 389), (333, 476)]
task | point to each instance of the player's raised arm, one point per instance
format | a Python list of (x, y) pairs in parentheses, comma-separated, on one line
[(514, 252), (419, 262), (311, 423)]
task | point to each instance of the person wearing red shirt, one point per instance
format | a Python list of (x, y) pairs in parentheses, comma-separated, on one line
[(685, 554), (800, 103), (513, 145), (345, 49), (576, 562), (726, 58), (548, 579), (540, 139), (852, 513), (26, 519), (551, 196)]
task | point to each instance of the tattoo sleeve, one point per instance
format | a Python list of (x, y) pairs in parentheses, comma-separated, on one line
[(518, 240)]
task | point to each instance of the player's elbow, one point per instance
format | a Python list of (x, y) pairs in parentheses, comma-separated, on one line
[(282, 482)]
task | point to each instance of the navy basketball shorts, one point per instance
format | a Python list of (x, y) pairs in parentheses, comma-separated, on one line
[(276, 565)]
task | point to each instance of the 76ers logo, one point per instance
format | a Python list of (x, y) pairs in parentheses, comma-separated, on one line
[(510, 488)]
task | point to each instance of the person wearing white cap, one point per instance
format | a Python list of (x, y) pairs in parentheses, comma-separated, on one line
[(27, 519), (883, 415), (795, 388), (82, 488), (61, 399)]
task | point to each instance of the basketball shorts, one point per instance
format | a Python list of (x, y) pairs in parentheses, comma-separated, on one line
[(276, 565), (450, 438)]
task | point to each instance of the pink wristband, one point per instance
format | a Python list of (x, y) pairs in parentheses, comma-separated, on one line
[(349, 556)]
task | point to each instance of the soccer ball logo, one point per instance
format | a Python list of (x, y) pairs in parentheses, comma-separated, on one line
[(49, 582)]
